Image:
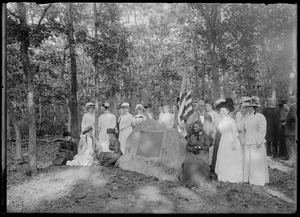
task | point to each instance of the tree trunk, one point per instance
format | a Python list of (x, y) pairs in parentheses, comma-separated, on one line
[(96, 79), (8, 128), (69, 115), (73, 98), (210, 19), (215, 76), (225, 79), (203, 82), (19, 155), (30, 90), (196, 68)]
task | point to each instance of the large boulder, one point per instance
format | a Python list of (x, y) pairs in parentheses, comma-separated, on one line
[(144, 155)]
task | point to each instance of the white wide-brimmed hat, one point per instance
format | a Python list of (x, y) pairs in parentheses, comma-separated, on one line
[(125, 105), (139, 107), (89, 105)]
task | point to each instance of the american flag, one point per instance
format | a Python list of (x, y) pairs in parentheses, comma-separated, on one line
[(185, 106)]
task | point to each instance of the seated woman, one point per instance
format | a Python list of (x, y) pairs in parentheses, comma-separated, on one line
[(86, 149), (110, 158), (195, 167), (67, 150)]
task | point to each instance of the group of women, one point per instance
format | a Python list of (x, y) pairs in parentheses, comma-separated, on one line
[(240, 147), (124, 125), (241, 155)]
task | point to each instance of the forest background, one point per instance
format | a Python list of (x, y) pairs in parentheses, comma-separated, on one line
[(62, 55)]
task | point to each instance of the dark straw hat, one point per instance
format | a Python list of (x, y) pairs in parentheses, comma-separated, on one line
[(110, 130), (87, 129), (227, 105)]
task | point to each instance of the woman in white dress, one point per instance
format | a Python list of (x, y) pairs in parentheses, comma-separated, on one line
[(88, 118), (105, 121), (125, 126), (240, 118), (229, 167), (166, 118), (86, 149), (139, 117), (255, 160)]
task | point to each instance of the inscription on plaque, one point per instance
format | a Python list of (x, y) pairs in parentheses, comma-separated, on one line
[(150, 143)]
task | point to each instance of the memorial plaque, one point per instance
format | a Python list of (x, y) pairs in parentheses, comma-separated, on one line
[(150, 143)]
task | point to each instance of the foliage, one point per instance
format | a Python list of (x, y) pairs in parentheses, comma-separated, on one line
[(142, 51)]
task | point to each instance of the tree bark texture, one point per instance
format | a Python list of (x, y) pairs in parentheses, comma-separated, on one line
[(210, 20), (73, 99), (225, 79), (196, 73), (30, 89), (96, 79)]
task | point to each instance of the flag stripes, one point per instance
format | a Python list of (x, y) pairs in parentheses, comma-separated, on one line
[(186, 108)]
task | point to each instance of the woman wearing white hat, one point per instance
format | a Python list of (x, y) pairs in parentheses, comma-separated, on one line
[(86, 149), (139, 117), (255, 155), (106, 120), (88, 118), (125, 125)]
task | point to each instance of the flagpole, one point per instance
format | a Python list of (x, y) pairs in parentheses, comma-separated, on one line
[(182, 103)]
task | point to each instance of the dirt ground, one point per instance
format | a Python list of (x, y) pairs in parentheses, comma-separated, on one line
[(96, 189)]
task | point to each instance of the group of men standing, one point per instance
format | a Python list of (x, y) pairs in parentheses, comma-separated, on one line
[(281, 135)]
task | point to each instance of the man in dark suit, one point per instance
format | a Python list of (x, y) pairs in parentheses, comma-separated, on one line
[(291, 137), (272, 118)]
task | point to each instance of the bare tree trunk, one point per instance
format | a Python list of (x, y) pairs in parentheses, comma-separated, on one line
[(196, 68), (225, 79), (204, 86), (19, 156), (69, 115), (73, 99), (210, 19), (96, 78), (8, 128), (30, 90)]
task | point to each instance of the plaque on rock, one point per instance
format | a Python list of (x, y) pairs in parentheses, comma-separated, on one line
[(150, 143)]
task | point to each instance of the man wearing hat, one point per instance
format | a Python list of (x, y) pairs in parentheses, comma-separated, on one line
[(139, 117), (109, 158), (272, 118), (125, 127), (67, 150), (105, 121), (291, 134), (88, 118)]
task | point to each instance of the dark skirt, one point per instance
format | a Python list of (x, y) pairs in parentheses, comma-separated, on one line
[(194, 171), (107, 158)]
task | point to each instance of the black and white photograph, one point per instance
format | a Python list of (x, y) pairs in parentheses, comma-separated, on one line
[(149, 107)]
